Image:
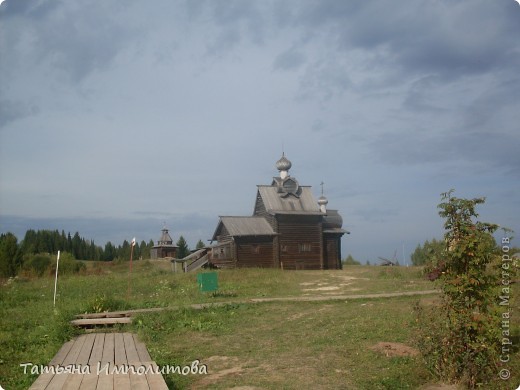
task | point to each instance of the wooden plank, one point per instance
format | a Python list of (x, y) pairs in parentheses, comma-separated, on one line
[(155, 381), (44, 379), (131, 351), (144, 356), (90, 380), (73, 381), (101, 321), (58, 381), (106, 314), (97, 350), (137, 382), (121, 381), (119, 351), (106, 382), (120, 313), (59, 358)]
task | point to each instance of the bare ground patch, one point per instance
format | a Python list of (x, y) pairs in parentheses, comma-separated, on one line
[(390, 349), (325, 288), (440, 386), (221, 367)]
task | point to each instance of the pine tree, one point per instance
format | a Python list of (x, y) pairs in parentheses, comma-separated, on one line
[(200, 245), (182, 248), (351, 261), (10, 255)]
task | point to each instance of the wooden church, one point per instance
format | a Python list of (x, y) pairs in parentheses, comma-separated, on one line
[(164, 247), (289, 229)]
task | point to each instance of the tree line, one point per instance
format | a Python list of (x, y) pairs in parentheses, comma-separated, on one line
[(14, 254)]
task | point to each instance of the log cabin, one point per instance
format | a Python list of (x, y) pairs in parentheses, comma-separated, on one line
[(289, 229)]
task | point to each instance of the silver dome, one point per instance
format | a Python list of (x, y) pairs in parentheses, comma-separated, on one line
[(283, 164), (322, 201)]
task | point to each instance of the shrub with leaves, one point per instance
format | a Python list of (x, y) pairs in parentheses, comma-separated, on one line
[(103, 303), (460, 337)]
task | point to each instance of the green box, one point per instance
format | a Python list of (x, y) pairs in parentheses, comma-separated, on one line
[(207, 281)]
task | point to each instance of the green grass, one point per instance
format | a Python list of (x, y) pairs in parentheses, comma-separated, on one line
[(287, 345), (267, 345)]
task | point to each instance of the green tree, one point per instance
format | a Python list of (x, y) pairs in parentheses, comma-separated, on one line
[(28, 245), (10, 255), (460, 338), (427, 252), (110, 252), (350, 261), (144, 252), (200, 245), (123, 252), (76, 246), (182, 248)]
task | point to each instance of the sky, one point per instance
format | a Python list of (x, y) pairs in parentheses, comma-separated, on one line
[(117, 117)]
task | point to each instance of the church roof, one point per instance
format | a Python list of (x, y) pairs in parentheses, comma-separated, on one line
[(304, 203), (244, 226), (165, 239), (332, 223)]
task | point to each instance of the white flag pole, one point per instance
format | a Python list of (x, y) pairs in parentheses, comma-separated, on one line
[(56, 279)]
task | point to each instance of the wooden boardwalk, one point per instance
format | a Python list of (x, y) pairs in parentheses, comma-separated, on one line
[(92, 359)]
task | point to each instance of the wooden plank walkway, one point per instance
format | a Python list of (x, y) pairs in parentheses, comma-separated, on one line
[(94, 358), (101, 321)]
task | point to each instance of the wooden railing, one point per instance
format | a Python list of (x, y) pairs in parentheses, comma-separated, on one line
[(196, 260)]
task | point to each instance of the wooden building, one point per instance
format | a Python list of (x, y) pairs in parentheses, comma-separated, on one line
[(288, 229), (164, 247)]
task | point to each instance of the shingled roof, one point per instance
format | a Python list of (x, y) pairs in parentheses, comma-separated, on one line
[(244, 226), (304, 203)]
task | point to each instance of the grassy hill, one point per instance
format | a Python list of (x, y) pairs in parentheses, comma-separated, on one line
[(342, 343)]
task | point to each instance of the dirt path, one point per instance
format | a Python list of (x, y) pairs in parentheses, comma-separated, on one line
[(316, 298), (345, 297)]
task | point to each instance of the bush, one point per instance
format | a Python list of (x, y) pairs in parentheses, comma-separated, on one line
[(37, 264), (68, 265), (40, 264), (460, 338), (102, 303)]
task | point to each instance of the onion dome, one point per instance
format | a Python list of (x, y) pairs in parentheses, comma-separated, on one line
[(322, 201), (283, 164)]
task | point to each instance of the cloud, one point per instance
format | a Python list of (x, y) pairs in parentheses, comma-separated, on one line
[(63, 39), (177, 109), (488, 151), (11, 111), (289, 60), (446, 39)]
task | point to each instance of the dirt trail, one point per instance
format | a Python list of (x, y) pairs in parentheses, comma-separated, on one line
[(316, 298)]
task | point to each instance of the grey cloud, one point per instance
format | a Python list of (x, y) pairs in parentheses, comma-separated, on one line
[(181, 102), (325, 79), (418, 96), (31, 8), (75, 40), (289, 60), (489, 150), (234, 23), (443, 38), (497, 105), (11, 110)]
